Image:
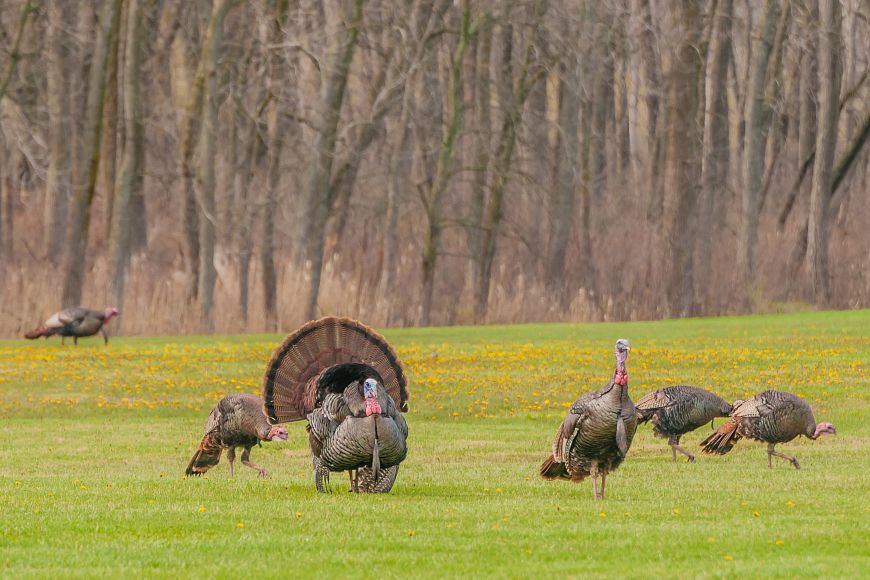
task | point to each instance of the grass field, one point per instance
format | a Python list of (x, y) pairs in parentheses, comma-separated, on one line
[(95, 439)]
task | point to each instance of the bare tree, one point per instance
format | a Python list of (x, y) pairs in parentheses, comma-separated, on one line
[(57, 183), (86, 181), (826, 143)]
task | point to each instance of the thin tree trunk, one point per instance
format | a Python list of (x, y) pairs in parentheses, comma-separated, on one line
[(714, 166), (128, 178), (447, 151), (826, 143), (211, 51), (511, 123), (278, 130), (681, 160), (80, 217), (483, 143), (319, 194), (57, 183), (757, 120)]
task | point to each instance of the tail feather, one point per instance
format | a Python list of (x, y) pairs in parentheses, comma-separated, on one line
[(552, 469), (723, 439), (38, 332), (207, 455)]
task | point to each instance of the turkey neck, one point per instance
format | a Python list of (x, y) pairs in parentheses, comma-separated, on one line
[(620, 376)]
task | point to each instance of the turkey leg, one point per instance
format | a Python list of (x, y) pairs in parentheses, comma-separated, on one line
[(603, 482), (675, 446), (594, 472), (771, 453), (246, 460), (105, 335), (231, 456)]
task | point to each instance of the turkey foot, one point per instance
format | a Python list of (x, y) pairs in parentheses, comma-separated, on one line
[(771, 453), (675, 446), (246, 460), (603, 481)]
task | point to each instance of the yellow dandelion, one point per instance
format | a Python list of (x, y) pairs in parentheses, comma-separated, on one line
[(602, 514), (790, 503), (729, 557), (411, 533), (675, 511), (202, 508), (779, 542), (240, 524), (298, 514), (498, 490), (756, 514), (17, 482)]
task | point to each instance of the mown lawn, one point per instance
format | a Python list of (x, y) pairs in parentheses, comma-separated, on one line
[(94, 441)]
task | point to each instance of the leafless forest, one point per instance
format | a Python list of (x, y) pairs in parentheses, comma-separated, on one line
[(244, 165)]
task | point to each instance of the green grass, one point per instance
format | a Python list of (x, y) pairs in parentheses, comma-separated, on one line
[(94, 441)]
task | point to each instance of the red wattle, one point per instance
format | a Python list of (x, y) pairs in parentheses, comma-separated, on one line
[(373, 408)]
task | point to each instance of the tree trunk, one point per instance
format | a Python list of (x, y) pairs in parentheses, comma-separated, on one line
[(211, 51), (756, 120), (511, 123), (57, 183), (826, 142), (278, 134), (714, 165), (483, 143), (681, 171), (447, 151), (319, 194), (80, 217), (128, 178)]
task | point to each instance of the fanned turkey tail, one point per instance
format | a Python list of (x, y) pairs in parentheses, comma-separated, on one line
[(38, 332), (207, 456), (325, 352), (722, 440)]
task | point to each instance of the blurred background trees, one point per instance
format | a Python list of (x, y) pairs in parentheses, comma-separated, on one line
[(245, 165)]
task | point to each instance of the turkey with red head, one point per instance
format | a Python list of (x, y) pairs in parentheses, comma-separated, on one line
[(771, 417), (349, 384), (597, 431), (76, 322)]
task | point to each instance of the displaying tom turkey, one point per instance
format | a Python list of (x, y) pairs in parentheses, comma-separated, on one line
[(76, 322), (772, 417), (674, 411), (597, 431), (236, 421), (348, 383)]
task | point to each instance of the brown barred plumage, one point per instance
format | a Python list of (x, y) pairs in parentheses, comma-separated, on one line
[(318, 373)]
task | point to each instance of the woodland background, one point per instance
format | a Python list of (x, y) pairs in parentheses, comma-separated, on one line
[(245, 165)]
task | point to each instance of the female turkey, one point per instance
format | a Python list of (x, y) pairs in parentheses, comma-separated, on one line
[(674, 411), (76, 322), (236, 421), (772, 417), (597, 431), (347, 381)]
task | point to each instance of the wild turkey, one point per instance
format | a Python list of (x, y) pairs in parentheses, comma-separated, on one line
[(772, 417), (674, 411), (76, 322), (349, 384), (597, 431), (236, 421)]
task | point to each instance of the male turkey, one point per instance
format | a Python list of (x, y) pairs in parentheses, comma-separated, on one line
[(597, 431), (76, 322), (347, 381), (674, 411), (236, 421), (772, 417)]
